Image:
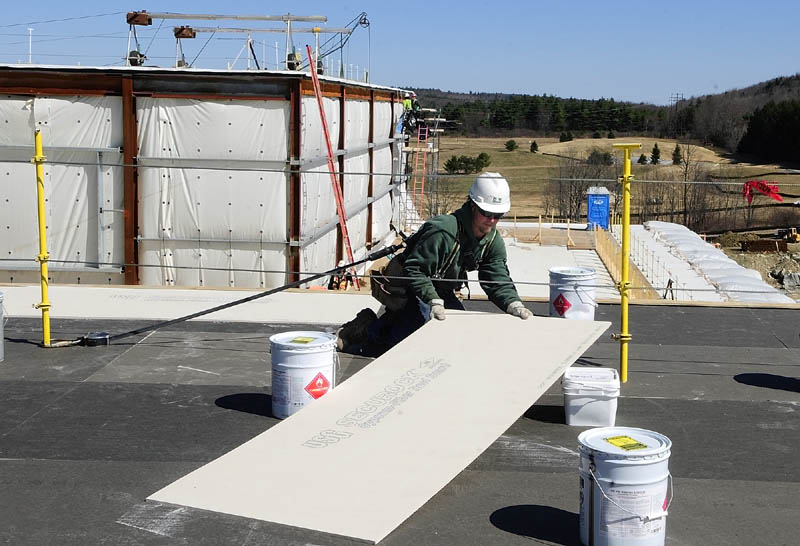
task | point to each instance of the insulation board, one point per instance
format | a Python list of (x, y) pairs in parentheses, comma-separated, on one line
[(364, 457)]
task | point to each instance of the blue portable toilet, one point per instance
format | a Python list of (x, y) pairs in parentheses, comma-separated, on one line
[(597, 207)]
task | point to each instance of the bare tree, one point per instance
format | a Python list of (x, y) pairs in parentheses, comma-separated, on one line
[(567, 194)]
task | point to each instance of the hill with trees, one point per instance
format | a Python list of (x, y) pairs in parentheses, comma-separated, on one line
[(719, 120)]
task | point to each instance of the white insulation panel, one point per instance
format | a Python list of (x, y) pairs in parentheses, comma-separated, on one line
[(212, 264), (382, 207), (227, 215), (312, 137), (319, 256), (356, 133), (383, 120), (356, 181), (77, 185), (69, 122), (212, 191)]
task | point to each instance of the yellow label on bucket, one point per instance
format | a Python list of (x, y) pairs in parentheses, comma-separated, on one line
[(302, 340), (625, 442)]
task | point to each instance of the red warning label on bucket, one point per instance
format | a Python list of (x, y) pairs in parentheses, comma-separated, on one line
[(561, 304), (318, 386)]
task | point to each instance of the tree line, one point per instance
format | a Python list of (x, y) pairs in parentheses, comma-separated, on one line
[(767, 112)]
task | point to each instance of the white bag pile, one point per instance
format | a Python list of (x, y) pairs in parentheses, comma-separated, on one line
[(735, 282)]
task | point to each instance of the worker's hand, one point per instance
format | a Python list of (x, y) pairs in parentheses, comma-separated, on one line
[(518, 310), (437, 309)]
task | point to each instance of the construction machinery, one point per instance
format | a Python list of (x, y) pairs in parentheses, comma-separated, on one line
[(788, 234)]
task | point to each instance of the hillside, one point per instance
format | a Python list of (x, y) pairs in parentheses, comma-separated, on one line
[(718, 120)]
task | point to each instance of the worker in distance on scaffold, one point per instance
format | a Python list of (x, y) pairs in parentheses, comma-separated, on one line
[(421, 282)]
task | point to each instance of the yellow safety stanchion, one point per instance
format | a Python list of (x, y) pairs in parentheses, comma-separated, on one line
[(624, 284), (43, 256)]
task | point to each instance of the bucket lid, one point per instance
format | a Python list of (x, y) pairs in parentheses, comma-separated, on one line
[(571, 271), (625, 441), (591, 378), (299, 340)]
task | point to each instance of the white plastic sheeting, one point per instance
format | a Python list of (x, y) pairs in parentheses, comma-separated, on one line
[(317, 205), (213, 191), (318, 214), (356, 133), (382, 207), (737, 283), (382, 167), (227, 215), (78, 134)]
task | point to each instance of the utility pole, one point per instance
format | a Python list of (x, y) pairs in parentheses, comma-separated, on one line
[(674, 99)]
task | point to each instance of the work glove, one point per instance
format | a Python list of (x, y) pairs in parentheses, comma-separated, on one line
[(437, 309), (518, 310)]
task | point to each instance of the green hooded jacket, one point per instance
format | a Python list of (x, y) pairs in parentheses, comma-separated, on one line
[(433, 244)]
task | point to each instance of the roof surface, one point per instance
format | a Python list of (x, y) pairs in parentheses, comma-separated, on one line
[(87, 433)]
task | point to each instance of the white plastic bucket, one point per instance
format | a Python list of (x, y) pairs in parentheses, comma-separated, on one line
[(590, 396), (2, 321), (572, 293), (303, 369), (625, 487)]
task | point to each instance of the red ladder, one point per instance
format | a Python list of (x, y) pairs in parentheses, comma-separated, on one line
[(337, 189), (420, 159)]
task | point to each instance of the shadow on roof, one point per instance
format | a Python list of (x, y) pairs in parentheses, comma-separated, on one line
[(769, 381), (538, 522)]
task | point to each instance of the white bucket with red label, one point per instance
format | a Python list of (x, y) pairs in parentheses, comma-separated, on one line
[(303, 369), (625, 487), (572, 293)]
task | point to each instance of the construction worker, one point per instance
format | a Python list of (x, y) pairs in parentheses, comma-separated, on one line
[(415, 104), (446, 247), (407, 104)]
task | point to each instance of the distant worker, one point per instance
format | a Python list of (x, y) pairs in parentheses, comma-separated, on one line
[(411, 113), (407, 102), (435, 265), (415, 104)]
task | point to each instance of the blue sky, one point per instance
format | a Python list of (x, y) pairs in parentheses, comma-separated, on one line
[(632, 51)]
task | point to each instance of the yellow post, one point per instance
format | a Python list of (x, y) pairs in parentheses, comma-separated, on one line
[(624, 284), (43, 256)]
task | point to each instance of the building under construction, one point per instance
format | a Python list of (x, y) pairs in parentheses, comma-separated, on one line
[(194, 177)]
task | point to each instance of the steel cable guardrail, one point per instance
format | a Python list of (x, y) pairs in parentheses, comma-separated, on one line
[(317, 274)]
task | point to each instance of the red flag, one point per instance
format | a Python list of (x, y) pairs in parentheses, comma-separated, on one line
[(770, 190)]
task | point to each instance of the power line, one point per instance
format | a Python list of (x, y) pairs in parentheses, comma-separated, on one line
[(62, 20)]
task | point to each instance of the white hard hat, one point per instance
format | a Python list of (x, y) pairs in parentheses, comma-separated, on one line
[(490, 192), (407, 95)]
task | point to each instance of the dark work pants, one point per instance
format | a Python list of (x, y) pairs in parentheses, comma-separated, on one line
[(394, 326)]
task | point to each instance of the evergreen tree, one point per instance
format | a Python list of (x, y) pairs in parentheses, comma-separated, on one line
[(676, 155), (482, 161), (511, 145), (642, 160), (611, 134), (534, 147), (655, 155)]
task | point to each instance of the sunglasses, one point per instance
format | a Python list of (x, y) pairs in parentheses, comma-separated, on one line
[(490, 215)]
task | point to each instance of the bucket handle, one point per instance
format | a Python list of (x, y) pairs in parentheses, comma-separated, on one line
[(644, 519), (579, 289), (336, 368)]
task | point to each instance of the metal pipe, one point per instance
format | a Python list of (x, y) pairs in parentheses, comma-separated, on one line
[(624, 284), (43, 256)]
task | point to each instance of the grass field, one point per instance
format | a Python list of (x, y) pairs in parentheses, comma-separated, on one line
[(528, 173)]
